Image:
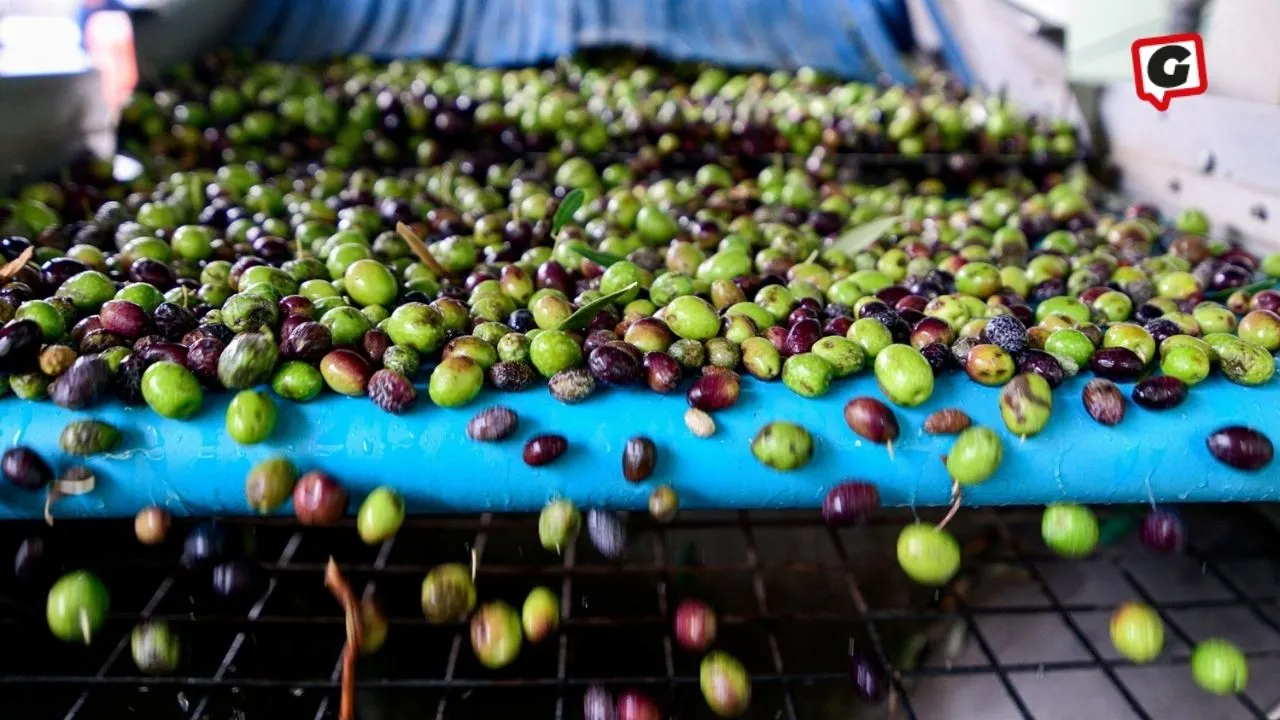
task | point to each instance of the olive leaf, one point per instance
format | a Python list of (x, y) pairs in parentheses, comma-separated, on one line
[(1251, 288), (195, 189), (583, 316), (419, 248), (603, 259), (12, 267), (855, 240), (568, 206)]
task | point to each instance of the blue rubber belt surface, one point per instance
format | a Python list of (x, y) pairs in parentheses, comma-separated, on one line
[(193, 468), (857, 39)]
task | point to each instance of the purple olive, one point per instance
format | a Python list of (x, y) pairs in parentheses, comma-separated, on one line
[(375, 343), (867, 674), (849, 503), (318, 499), (543, 449), (695, 625), (1042, 364), (124, 318), (932, 330), (162, 350), (173, 321), (308, 341), (801, 337), (1162, 531), (20, 346), (234, 581), (613, 364), (939, 356), (1117, 363), (1160, 393), (23, 467), (29, 562), (202, 358), (82, 384), (871, 419), (635, 705), (84, 327), (662, 372), (1241, 447), (715, 391), (296, 305)]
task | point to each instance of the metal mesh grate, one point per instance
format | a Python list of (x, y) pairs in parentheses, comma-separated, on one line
[(791, 595)]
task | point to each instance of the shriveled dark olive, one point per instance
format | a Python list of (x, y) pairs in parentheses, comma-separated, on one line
[(1241, 447), (1160, 393), (493, 424), (1103, 401), (511, 376)]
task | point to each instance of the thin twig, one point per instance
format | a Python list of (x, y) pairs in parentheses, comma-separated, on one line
[(955, 505), (341, 589), (12, 267), (419, 248)]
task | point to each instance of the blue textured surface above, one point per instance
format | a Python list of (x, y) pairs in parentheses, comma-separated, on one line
[(857, 39), (193, 468)]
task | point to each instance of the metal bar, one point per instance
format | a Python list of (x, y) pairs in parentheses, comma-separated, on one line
[(1056, 604), (762, 602), (156, 598), (238, 641), (566, 611), (868, 621), (1147, 598)]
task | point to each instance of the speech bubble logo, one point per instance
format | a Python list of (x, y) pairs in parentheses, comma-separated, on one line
[(1167, 67)]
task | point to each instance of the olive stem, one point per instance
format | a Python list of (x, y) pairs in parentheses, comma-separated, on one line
[(955, 505), (86, 629), (49, 498), (889, 444)]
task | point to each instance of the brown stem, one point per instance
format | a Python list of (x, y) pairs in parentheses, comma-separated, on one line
[(12, 267), (419, 248), (955, 505), (341, 589)]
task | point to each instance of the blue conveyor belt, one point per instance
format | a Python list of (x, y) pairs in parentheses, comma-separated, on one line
[(193, 468), (857, 39)]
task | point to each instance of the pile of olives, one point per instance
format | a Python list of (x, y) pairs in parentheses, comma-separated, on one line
[(416, 232)]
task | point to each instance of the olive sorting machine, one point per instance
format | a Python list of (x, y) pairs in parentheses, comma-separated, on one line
[(189, 467)]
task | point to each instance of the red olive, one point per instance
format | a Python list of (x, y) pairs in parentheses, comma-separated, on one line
[(871, 419)]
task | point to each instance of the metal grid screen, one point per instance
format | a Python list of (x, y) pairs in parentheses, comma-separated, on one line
[(791, 595)]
